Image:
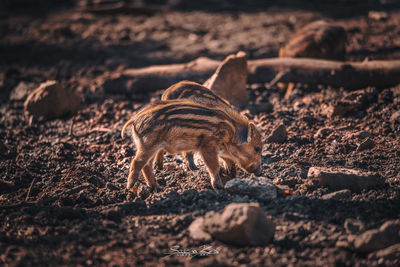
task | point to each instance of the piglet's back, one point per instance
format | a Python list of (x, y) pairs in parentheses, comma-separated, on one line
[(195, 92)]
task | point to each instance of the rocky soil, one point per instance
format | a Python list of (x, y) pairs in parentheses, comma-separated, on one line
[(62, 187)]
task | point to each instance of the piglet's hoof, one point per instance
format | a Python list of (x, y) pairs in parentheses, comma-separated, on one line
[(156, 188)]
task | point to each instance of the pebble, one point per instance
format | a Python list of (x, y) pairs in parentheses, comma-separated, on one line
[(338, 195), (366, 144), (278, 135)]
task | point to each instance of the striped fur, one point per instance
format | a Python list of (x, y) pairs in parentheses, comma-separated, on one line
[(200, 94), (195, 92), (183, 125)]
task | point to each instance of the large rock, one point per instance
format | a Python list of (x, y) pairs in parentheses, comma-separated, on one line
[(238, 223), (260, 188), (51, 100), (341, 178), (230, 78), (319, 39), (371, 240), (278, 135)]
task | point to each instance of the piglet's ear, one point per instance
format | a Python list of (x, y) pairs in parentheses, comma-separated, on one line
[(252, 131)]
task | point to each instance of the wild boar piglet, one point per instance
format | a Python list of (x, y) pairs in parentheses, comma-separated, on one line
[(200, 94), (183, 125)]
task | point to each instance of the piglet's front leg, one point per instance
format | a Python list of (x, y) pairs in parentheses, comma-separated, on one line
[(210, 158)]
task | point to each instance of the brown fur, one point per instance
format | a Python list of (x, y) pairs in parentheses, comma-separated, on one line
[(183, 125), (200, 94)]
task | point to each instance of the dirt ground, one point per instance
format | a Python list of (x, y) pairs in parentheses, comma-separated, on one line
[(78, 211)]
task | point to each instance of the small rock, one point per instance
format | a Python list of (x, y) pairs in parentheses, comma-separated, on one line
[(389, 253), (341, 178), (395, 117), (315, 40), (197, 232), (21, 91), (353, 226), (354, 101), (51, 100), (338, 195), (366, 144), (240, 224), (230, 78), (378, 15), (278, 135), (323, 132), (260, 188), (375, 239)]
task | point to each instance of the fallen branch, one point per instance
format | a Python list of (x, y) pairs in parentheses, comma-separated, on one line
[(351, 75)]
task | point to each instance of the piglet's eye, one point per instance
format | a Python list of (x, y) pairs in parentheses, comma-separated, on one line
[(257, 150)]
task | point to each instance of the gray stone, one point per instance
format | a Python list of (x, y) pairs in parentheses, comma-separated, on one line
[(278, 135), (341, 178), (375, 239), (51, 100), (260, 188), (240, 224), (338, 195)]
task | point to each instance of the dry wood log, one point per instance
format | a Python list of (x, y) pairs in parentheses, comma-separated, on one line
[(350, 75)]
